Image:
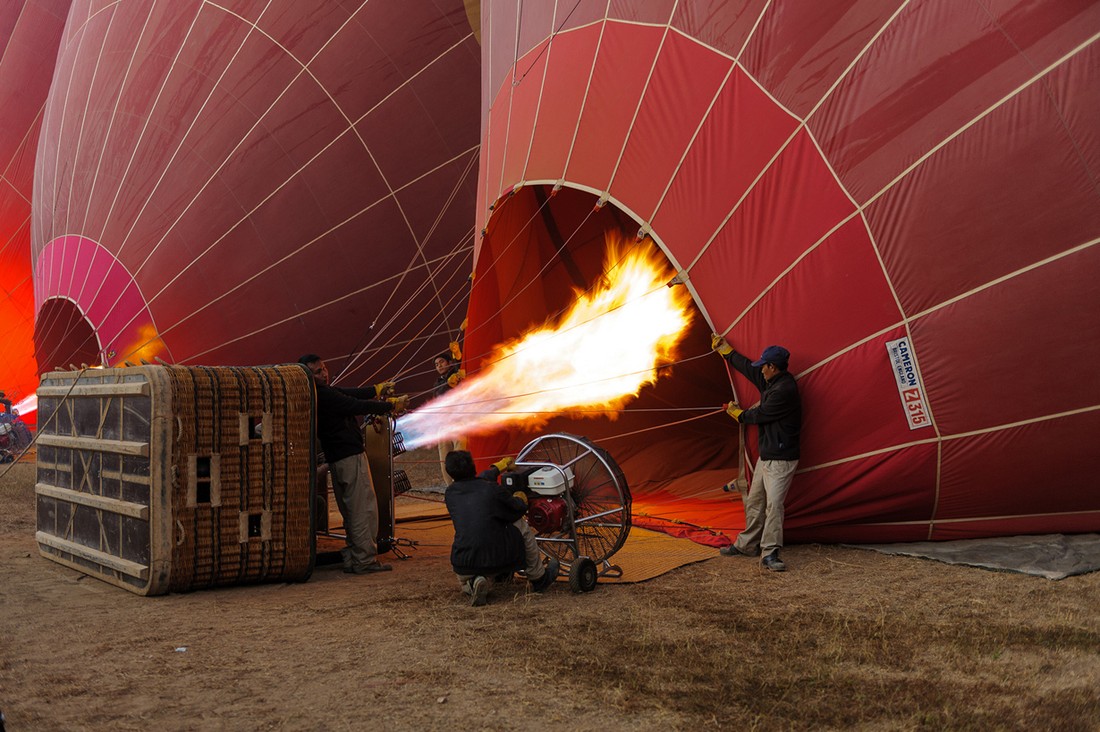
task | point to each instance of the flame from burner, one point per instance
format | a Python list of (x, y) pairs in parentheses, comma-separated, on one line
[(591, 361)]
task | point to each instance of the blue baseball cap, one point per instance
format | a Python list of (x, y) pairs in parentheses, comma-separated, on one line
[(777, 355)]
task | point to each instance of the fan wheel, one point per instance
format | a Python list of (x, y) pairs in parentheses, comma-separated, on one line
[(582, 575), (599, 499)]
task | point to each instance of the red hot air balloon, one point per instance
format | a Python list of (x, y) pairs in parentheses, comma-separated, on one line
[(29, 36), (245, 182), (903, 194)]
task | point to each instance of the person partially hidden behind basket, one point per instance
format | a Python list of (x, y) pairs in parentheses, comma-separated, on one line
[(342, 442), (492, 538), (778, 420)]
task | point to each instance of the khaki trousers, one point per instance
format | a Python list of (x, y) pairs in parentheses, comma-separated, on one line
[(534, 567), (764, 506), (445, 447), (354, 492)]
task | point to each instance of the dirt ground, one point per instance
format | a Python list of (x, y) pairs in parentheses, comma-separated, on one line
[(847, 639)]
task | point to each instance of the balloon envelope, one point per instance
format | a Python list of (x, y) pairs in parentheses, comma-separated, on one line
[(248, 183), (902, 194), (30, 32)]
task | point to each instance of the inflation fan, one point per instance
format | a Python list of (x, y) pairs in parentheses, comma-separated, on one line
[(578, 504)]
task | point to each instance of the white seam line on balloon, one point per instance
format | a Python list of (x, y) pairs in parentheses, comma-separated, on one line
[(949, 437), (145, 126), (295, 316), (637, 109), (968, 519), (648, 222), (351, 127), (542, 87), (293, 175), (1050, 96), (799, 127), (96, 253), (982, 115), (412, 234), (429, 280), (304, 246), (133, 154), (416, 342), (60, 136), (587, 89), (80, 140), (752, 31), (183, 139), (12, 34), (281, 322), (47, 329), (103, 150)]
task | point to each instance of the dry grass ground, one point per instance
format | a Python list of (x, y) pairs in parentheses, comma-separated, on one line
[(847, 639)]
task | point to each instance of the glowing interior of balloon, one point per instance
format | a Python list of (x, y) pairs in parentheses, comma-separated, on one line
[(590, 361)]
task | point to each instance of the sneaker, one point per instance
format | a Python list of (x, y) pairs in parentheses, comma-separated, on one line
[(548, 577), (774, 563), (480, 593), (368, 568), (734, 551)]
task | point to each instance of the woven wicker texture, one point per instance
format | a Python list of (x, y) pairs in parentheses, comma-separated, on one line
[(243, 489)]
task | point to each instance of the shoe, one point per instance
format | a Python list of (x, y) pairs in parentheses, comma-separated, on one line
[(480, 592), (773, 562), (368, 568), (734, 551), (548, 577)]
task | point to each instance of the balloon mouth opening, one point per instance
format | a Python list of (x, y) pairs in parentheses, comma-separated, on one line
[(63, 336), (542, 248)]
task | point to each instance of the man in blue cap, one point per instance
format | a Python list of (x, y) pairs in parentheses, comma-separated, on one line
[(778, 418)]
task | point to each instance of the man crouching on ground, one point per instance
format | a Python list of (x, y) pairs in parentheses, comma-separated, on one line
[(492, 538)]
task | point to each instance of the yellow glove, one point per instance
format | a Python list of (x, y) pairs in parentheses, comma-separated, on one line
[(384, 389), (457, 376), (720, 344), (456, 351), (734, 411), (464, 322), (521, 496), (504, 464), (400, 404)]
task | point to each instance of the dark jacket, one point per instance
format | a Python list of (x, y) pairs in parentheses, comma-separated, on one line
[(337, 426), (778, 417), (486, 541), (441, 386)]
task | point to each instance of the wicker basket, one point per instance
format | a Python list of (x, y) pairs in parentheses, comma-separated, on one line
[(175, 478)]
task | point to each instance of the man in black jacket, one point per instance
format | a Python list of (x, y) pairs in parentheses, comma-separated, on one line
[(342, 441), (778, 418), (492, 538)]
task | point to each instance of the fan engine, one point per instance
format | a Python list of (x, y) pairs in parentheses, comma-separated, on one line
[(546, 509)]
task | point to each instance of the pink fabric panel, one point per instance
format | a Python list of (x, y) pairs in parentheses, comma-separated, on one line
[(937, 67), (742, 132), (1046, 30), (570, 59), (836, 296), (622, 66), (722, 24), (641, 11), (858, 492), (684, 82), (1000, 473), (1009, 192), (1075, 88), (525, 100), (801, 47), (865, 408), (793, 205), (498, 141), (1006, 353)]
